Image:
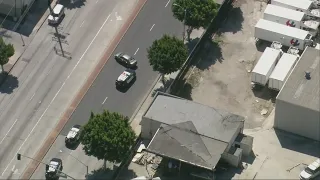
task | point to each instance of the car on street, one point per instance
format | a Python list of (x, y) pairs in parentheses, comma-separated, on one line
[(73, 135), (126, 60), (126, 78), (53, 169), (56, 14), (311, 171)]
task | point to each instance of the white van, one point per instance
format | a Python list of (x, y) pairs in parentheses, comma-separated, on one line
[(56, 15)]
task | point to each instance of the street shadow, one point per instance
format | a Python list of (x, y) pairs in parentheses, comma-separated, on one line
[(72, 4), (8, 83), (298, 143), (101, 173), (263, 92), (183, 89), (234, 21), (209, 55), (126, 174), (29, 21)]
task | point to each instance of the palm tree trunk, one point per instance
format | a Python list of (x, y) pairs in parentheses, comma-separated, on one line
[(104, 164), (163, 79), (2, 70)]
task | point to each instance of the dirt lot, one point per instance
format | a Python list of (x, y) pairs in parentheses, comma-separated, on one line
[(221, 76)]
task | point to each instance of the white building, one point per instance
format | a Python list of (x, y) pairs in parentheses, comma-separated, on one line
[(297, 105)]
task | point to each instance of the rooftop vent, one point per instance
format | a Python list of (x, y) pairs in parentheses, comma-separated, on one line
[(308, 76)]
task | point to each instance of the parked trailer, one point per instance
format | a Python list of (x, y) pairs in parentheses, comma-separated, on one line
[(281, 71), (287, 36), (291, 18), (263, 69), (298, 5)]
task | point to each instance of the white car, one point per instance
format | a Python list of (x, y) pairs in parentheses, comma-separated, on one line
[(56, 15), (312, 171)]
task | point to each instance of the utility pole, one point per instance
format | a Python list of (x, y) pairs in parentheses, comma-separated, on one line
[(20, 155), (56, 29)]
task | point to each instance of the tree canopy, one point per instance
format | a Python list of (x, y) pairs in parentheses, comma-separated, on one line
[(199, 13), (167, 55), (107, 136), (6, 51)]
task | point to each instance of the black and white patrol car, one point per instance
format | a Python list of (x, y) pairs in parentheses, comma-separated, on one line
[(53, 169), (126, 78), (73, 135), (126, 60)]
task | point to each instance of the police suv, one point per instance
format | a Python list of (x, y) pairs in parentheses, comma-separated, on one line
[(125, 78), (73, 135), (53, 169)]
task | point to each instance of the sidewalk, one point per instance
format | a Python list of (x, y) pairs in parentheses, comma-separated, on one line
[(24, 34)]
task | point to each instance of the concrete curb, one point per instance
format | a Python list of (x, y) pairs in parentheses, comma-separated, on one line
[(145, 98), (33, 165)]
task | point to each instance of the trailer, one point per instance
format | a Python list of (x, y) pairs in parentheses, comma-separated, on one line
[(298, 5), (291, 18), (263, 69), (282, 70), (287, 36)]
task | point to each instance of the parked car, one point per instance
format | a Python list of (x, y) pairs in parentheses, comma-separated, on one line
[(56, 14), (73, 135), (126, 60), (53, 169), (311, 171)]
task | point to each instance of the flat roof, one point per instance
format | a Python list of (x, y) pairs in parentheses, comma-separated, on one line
[(281, 29), (267, 59), (297, 89), (285, 64), (301, 4), (208, 121), (283, 12)]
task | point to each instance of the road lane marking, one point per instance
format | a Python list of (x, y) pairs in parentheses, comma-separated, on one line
[(32, 96), (136, 51), (8, 132), (167, 3), (81, 23), (152, 27), (104, 100), (55, 96)]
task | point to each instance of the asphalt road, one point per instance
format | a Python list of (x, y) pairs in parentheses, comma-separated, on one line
[(154, 20), (43, 82)]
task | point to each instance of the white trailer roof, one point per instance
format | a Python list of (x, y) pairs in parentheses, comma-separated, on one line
[(301, 4), (266, 61), (281, 29), (289, 14), (283, 67)]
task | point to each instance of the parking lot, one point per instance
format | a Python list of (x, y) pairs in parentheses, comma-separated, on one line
[(220, 77)]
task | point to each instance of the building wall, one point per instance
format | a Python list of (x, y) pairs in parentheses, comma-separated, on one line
[(297, 120), (239, 130), (233, 159)]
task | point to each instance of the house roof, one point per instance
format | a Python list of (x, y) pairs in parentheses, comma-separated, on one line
[(190, 131), (297, 89)]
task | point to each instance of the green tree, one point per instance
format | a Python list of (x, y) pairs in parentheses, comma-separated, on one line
[(167, 55), (6, 51), (107, 136), (199, 13)]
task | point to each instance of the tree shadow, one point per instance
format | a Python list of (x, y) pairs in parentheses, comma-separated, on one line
[(209, 55), (3, 33), (101, 173), (183, 89), (234, 21), (126, 174), (192, 43), (8, 83), (298, 143), (263, 92), (72, 4)]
